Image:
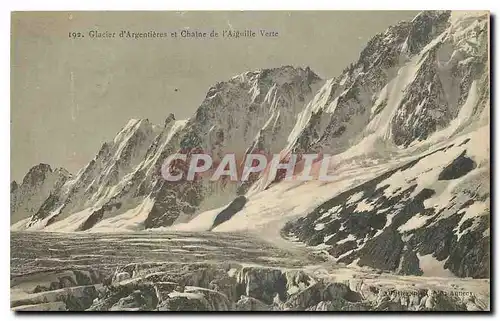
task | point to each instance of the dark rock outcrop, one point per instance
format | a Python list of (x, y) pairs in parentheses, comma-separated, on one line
[(458, 168), (229, 211)]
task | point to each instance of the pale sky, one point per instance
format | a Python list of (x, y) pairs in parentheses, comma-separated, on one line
[(68, 96)]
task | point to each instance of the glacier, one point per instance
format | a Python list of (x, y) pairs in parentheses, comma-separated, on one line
[(406, 129)]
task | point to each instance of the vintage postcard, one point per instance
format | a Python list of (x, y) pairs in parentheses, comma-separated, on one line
[(250, 161)]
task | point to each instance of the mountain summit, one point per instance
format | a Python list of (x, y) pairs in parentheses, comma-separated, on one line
[(405, 127)]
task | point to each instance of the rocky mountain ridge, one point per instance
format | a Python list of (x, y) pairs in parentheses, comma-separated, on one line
[(414, 105), (124, 179)]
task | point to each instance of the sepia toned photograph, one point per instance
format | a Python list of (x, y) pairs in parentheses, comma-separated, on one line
[(242, 161)]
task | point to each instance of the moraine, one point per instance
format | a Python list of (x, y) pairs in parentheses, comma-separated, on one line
[(209, 271)]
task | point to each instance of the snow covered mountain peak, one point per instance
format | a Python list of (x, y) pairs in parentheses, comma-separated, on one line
[(259, 105), (37, 185), (408, 113), (408, 126), (169, 119), (253, 109), (13, 186), (37, 174), (401, 223), (409, 82)]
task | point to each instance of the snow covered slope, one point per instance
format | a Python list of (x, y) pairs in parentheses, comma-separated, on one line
[(412, 167), (97, 182), (406, 127), (38, 185), (409, 82), (437, 205), (122, 188)]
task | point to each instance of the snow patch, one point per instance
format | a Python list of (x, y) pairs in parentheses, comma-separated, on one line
[(432, 267)]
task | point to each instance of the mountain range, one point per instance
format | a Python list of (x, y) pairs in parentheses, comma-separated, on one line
[(406, 127)]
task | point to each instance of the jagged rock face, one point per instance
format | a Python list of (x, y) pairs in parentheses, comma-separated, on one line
[(435, 207), (425, 27), (39, 184), (458, 168), (419, 72), (188, 272), (251, 110), (230, 210), (415, 104), (53, 290), (414, 81), (420, 113), (205, 287), (260, 104), (443, 82), (13, 186), (92, 184), (231, 287)]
